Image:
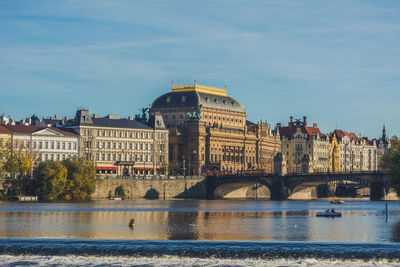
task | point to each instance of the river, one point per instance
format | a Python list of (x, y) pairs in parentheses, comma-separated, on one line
[(200, 232)]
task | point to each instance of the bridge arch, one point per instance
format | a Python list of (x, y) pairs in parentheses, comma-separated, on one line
[(378, 185), (282, 187), (234, 188)]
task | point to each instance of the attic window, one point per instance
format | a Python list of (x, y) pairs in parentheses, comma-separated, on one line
[(223, 101), (183, 99), (233, 103), (207, 100), (216, 101), (168, 99)]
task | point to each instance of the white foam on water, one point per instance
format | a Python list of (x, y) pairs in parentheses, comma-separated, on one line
[(26, 260)]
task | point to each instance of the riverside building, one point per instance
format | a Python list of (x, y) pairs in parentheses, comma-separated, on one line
[(45, 143), (208, 130), (306, 149), (356, 153), (122, 146)]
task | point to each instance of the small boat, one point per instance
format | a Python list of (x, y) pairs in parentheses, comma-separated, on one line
[(336, 201), (329, 214), (115, 198)]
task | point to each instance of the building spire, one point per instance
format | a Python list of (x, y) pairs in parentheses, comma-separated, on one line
[(384, 132)]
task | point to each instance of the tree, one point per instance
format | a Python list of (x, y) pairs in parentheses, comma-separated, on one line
[(19, 161), (17, 166), (49, 180), (391, 161), (81, 179)]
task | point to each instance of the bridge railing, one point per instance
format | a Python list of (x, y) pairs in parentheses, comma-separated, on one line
[(262, 173), (151, 177)]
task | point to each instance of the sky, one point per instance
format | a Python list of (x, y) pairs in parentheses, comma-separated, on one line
[(336, 62)]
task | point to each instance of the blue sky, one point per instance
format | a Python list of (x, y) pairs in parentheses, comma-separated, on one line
[(336, 62)]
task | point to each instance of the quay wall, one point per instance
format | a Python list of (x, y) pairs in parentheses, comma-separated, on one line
[(152, 188)]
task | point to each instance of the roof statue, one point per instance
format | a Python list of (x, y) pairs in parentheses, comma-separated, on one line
[(142, 117), (196, 114)]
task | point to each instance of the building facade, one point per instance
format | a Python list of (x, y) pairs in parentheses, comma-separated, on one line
[(306, 149), (356, 153), (369, 159), (45, 143), (209, 131), (334, 153), (123, 147)]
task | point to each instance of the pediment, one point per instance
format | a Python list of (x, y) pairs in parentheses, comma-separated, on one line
[(47, 132)]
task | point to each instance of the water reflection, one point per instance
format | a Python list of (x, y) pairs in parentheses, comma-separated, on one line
[(201, 220)]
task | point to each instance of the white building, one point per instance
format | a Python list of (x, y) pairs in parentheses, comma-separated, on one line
[(356, 153), (123, 147), (45, 143), (369, 155)]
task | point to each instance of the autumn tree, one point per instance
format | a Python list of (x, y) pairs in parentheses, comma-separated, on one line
[(391, 161), (17, 166), (49, 180), (81, 179)]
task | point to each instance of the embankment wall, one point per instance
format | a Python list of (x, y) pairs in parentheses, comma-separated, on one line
[(162, 189)]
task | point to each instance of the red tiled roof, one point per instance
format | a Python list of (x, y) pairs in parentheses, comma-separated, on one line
[(3, 129), (288, 131), (29, 129), (340, 134)]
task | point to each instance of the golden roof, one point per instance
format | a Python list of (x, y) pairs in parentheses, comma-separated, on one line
[(200, 89)]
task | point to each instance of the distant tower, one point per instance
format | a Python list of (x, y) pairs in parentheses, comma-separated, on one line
[(384, 132)]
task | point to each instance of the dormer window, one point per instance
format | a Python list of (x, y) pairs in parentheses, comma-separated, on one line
[(216, 101), (168, 99), (183, 99)]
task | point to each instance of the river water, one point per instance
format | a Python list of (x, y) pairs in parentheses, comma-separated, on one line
[(199, 232)]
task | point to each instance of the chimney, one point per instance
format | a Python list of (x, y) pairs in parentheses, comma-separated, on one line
[(304, 120), (315, 125), (291, 120), (130, 118), (95, 116)]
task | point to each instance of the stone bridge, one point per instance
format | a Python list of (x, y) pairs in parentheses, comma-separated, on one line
[(281, 187)]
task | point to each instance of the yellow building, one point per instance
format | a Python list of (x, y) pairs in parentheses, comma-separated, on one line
[(208, 130), (334, 154)]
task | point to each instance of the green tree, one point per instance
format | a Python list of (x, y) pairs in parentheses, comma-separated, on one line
[(49, 180), (391, 161), (81, 179)]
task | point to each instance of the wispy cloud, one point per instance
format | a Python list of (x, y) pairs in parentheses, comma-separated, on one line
[(311, 57)]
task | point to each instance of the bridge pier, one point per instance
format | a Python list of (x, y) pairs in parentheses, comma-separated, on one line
[(377, 191), (279, 191)]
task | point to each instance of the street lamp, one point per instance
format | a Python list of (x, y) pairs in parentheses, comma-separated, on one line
[(184, 167), (190, 158)]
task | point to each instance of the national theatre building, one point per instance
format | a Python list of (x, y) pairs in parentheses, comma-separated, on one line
[(208, 130)]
